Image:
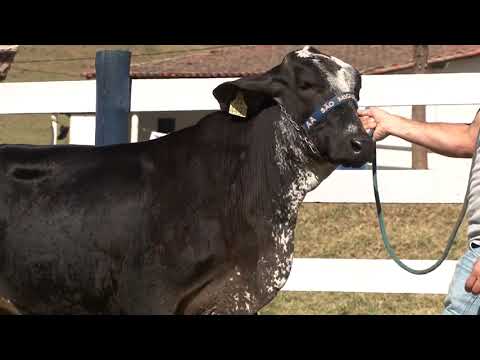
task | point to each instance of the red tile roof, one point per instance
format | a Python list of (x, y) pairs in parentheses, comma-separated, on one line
[(253, 59), (7, 55)]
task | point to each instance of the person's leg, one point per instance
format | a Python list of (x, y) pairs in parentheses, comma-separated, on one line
[(458, 301)]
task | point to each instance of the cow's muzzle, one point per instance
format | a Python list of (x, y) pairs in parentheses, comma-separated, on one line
[(361, 150)]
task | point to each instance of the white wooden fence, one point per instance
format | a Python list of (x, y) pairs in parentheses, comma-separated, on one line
[(439, 185)]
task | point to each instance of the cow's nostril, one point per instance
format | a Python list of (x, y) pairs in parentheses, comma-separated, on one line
[(356, 145)]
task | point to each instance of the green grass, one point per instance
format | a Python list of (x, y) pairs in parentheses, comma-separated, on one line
[(293, 303), (323, 230), (351, 230)]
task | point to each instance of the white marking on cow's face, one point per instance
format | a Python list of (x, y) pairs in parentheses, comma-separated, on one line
[(304, 53), (340, 62), (342, 81)]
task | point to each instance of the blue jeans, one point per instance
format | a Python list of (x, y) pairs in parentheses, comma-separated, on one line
[(458, 301)]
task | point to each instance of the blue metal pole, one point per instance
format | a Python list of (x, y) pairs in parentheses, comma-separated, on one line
[(113, 97)]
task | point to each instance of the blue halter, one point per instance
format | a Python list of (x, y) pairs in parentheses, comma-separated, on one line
[(320, 114)]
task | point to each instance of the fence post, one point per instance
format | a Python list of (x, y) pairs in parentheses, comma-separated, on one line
[(419, 153), (112, 69)]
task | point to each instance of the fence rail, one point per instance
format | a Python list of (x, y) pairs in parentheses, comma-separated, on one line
[(348, 186), (368, 276), (196, 94)]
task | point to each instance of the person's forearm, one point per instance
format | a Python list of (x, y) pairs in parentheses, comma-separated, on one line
[(455, 140)]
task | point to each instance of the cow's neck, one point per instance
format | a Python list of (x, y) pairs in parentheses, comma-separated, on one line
[(300, 172), (298, 175)]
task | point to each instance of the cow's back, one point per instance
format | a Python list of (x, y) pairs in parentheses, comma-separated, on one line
[(65, 216), (113, 229)]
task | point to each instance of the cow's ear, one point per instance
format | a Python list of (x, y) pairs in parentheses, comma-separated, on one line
[(247, 96)]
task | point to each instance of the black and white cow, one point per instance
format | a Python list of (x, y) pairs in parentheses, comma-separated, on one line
[(198, 222)]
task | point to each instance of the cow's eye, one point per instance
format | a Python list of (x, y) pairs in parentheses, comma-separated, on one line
[(305, 85), (281, 82)]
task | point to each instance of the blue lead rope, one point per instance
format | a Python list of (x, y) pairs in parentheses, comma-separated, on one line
[(453, 235)]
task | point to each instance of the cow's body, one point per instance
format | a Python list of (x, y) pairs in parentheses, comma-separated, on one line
[(181, 224), (198, 222)]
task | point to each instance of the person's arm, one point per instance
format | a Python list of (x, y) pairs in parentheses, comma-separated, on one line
[(454, 140)]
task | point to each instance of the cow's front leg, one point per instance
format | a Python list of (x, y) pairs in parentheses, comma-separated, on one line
[(221, 296)]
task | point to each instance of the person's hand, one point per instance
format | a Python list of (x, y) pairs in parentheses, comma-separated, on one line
[(472, 285), (375, 118)]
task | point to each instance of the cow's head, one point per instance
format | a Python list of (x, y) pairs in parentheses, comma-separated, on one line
[(306, 82)]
